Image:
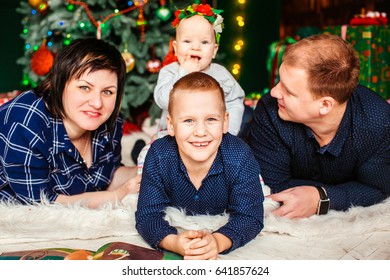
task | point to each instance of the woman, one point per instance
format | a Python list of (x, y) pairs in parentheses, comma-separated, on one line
[(61, 140)]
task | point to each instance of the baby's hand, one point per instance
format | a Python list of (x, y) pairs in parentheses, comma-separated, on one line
[(190, 63)]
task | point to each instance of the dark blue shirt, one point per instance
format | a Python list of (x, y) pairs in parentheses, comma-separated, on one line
[(232, 185), (354, 167), (37, 157)]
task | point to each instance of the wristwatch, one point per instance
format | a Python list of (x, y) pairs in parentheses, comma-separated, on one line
[(324, 202)]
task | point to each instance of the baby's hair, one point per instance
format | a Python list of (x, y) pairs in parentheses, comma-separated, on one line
[(196, 82), (205, 10)]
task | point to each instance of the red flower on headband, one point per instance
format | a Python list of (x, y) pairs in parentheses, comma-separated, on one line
[(175, 22), (204, 9)]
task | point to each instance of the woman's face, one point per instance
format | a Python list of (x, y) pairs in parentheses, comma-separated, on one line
[(89, 101)]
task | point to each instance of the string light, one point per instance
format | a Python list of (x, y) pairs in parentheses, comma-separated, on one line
[(240, 21), (239, 44), (70, 7), (98, 24)]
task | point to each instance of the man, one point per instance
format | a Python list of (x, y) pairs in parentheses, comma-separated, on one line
[(321, 139)]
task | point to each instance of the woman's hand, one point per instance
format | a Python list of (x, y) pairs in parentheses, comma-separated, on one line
[(125, 182)]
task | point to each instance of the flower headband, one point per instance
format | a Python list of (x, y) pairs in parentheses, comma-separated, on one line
[(211, 14)]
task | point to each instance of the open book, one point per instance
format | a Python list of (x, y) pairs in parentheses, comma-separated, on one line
[(109, 251)]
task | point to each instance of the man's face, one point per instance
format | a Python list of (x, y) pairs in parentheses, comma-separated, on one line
[(296, 103)]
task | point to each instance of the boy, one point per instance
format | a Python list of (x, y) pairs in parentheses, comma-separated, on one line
[(200, 168)]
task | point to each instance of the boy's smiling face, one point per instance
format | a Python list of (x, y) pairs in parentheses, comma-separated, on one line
[(198, 121)]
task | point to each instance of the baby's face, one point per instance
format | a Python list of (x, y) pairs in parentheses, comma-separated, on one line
[(195, 44)]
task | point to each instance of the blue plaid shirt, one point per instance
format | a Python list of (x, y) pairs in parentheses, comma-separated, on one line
[(354, 168), (232, 185), (37, 158)]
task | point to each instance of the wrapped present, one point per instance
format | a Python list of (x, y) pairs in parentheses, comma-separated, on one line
[(369, 18), (7, 96), (372, 42), (275, 54)]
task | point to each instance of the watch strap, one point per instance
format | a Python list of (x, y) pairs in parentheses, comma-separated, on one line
[(322, 193), (324, 202)]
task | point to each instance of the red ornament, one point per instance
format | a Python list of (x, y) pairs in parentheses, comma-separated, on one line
[(153, 65), (129, 128), (42, 61)]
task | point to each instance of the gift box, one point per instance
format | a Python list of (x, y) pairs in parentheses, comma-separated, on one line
[(372, 42), (7, 96)]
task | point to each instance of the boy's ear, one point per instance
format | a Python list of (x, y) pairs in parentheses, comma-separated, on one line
[(174, 44), (170, 128), (226, 122)]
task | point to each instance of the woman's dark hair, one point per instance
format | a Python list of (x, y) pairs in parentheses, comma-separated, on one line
[(80, 56)]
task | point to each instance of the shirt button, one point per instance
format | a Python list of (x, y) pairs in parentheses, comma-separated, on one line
[(196, 197), (70, 150)]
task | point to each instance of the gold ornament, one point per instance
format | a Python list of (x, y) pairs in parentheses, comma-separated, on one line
[(40, 5), (129, 60), (35, 3)]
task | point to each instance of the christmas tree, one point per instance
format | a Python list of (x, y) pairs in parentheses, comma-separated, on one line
[(140, 29)]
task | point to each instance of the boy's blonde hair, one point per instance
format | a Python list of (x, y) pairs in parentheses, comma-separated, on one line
[(196, 82)]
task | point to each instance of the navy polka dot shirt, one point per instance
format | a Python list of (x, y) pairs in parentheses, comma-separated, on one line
[(354, 168), (232, 185)]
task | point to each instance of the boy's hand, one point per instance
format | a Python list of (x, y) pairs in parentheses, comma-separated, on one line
[(181, 242), (204, 248)]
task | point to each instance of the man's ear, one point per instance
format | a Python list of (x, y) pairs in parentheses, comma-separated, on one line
[(171, 130), (327, 103)]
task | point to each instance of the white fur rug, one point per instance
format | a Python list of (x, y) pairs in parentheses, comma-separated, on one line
[(48, 222)]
